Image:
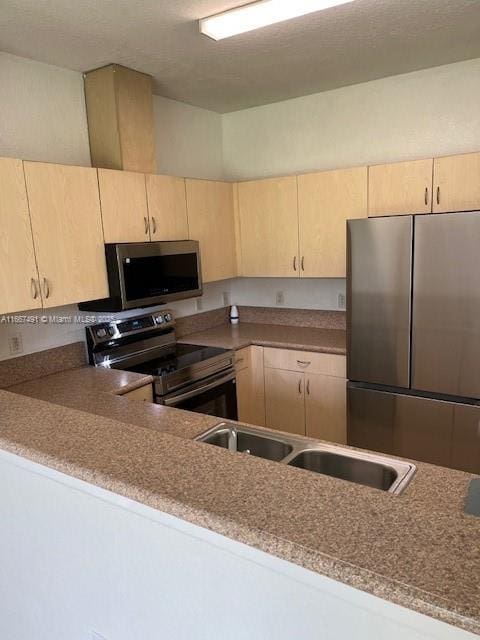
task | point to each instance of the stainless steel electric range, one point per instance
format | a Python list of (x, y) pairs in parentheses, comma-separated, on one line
[(186, 376)]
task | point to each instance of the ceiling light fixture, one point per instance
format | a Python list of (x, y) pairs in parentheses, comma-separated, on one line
[(260, 14)]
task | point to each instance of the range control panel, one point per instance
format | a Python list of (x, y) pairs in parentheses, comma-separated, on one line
[(117, 329)]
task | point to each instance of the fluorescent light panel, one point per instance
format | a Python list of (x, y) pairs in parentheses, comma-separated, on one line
[(260, 14)]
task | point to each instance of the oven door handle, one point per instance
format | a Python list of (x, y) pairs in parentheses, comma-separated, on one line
[(177, 399)]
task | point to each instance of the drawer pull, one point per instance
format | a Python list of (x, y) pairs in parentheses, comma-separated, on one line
[(46, 288), (304, 363), (33, 288), (438, 195), (239, 360), (300, 386), (308, 387), (426, 196)]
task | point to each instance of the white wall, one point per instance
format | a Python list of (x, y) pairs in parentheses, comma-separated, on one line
[(188, 140), (423, 114), (42, 112), (298, 293), (77, 559)]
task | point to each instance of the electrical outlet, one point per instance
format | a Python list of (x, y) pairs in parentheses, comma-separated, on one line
[(226, 299), (15, 344), (341, 301), (280, 298), (199, 303)]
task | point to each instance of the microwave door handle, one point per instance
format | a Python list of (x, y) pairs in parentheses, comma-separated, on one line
[(177, 399)]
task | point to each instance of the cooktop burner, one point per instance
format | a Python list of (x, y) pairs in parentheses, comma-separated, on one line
[(180, 357)]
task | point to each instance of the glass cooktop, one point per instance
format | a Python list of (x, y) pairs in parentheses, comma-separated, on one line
[(182, 356)]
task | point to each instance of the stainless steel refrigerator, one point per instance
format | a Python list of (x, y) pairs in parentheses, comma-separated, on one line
[(413, 325)]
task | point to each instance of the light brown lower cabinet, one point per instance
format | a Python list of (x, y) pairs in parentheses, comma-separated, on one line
[(325, 408), (285, 400), (250, 385), (142, 394), (307, 403)]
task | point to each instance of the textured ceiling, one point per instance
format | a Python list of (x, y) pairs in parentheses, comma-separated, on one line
[(344, 45)]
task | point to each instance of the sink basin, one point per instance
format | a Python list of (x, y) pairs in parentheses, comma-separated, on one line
[(361, 471), (244, 440), (361, 467)]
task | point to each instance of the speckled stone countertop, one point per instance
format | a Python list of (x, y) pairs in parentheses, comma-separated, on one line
[(271, 335), (418, 549)]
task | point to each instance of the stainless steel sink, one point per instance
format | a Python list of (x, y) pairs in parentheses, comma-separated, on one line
[(367, 469), (246, 440), (360, 467)]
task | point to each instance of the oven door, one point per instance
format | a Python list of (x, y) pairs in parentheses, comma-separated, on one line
[(215, 396)]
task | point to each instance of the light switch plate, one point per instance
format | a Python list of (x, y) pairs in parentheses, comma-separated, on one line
[(280, 298), (341, 301)]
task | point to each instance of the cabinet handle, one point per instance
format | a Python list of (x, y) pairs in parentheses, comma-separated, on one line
[(145, 220), (46, 288), (303, 263), (304, 363), (438, 195), (308, 386), (33, 288), (300, 386), (294, 263), (154, 225), (426, 196)]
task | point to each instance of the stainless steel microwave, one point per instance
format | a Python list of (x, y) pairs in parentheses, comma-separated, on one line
[(143, 274)]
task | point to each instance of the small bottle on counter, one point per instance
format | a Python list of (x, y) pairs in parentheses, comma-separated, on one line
[(234, 314)]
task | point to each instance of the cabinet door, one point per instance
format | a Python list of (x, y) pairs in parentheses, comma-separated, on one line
[(67, 232), (124, 206), (210, 221), (326, 200), (167, 207), (18, 270), (400, 188), (142, 394), (285, 400), (456, 182), (268, 216), (325, 407), (250, 385)]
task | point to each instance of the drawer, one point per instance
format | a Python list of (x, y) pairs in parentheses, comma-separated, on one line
[(329, 364), (243, 358), (143, 394)]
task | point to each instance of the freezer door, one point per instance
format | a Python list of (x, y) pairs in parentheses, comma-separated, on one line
[(402, 425), (379, 267), (446, 304)]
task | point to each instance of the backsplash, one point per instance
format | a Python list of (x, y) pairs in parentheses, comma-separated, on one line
[(39, 330)]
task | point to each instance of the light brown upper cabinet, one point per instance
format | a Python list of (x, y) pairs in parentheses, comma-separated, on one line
[(268, 218), (400, 188), (167, 207), (326, 200), (19, 289), (211, 222), (124, 206), (456, 183), (67, 232)]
